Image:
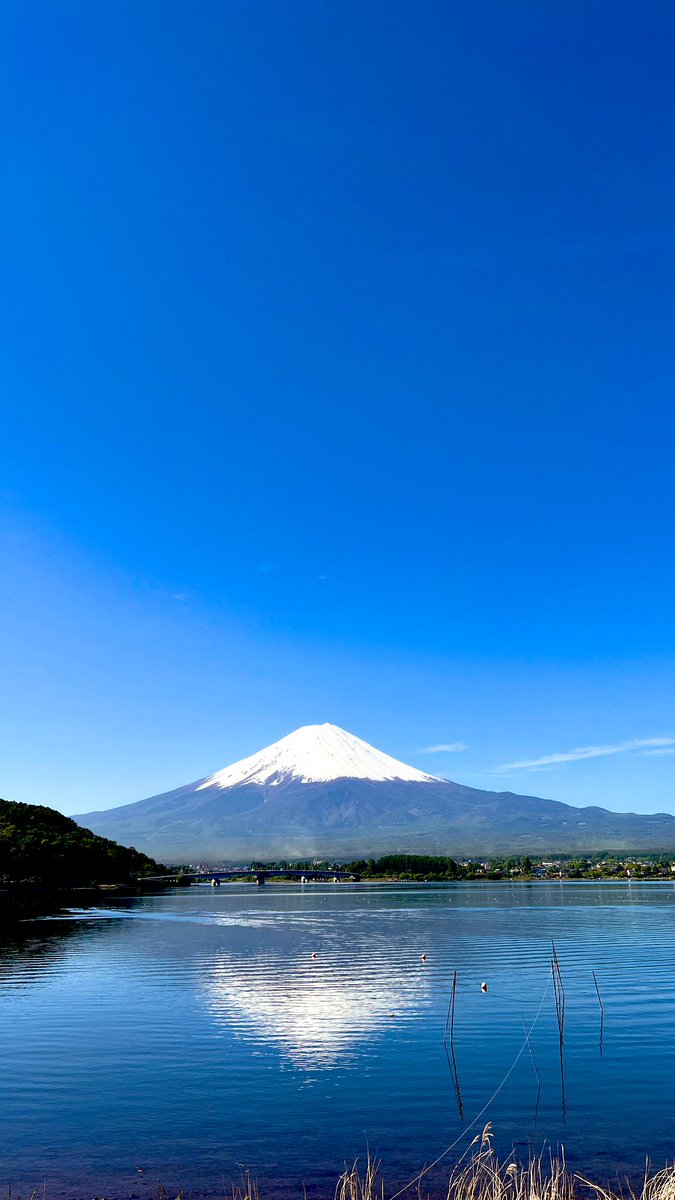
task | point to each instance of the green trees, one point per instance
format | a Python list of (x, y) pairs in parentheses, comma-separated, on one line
[(412, 866), (40, 844)]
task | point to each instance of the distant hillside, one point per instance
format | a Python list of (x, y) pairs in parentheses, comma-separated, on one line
[(40, 844)]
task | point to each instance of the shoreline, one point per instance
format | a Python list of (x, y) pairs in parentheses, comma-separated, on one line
[(27, 901), (478, 1174)]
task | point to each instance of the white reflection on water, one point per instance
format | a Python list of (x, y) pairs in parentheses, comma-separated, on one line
[(316, 1012)]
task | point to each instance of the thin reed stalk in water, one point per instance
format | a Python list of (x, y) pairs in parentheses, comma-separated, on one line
[(602, 1012), (451, 1057), (559, 992)]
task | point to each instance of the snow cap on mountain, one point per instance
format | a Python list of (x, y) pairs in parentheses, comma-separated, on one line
[(315, 754)]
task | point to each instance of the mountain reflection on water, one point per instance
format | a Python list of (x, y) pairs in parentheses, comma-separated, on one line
[(315, 1010)]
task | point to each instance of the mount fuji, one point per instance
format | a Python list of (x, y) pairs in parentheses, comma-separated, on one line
[(323, 791)]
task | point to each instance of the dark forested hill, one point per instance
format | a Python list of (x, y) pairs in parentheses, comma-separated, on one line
[(40, 844)]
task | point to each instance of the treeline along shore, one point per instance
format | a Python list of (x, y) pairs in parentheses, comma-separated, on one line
[(599, 865), (430, 868)]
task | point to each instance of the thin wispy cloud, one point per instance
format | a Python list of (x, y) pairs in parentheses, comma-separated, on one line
[(444, 748), (582, 752)]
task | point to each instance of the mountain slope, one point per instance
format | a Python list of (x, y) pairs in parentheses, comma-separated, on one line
[(322, 791)]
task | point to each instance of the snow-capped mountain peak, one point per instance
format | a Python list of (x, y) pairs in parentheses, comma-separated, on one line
[(315, 754)]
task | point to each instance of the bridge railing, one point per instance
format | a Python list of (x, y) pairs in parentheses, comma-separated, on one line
[(250, 873)]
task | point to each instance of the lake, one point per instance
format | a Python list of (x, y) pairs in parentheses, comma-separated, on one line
[(192, 1036)]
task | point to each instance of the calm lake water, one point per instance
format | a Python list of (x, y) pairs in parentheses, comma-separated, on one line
[(192, 1036)]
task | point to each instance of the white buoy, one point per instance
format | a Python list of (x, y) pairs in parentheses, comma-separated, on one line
[(424, 958), (483, 986)]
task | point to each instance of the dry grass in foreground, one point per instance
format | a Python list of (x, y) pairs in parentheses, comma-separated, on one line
[(479, 1175)]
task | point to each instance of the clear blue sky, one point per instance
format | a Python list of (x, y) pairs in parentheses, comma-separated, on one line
[(337, 385)]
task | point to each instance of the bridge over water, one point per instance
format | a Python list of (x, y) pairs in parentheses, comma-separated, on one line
[(260, 874)]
